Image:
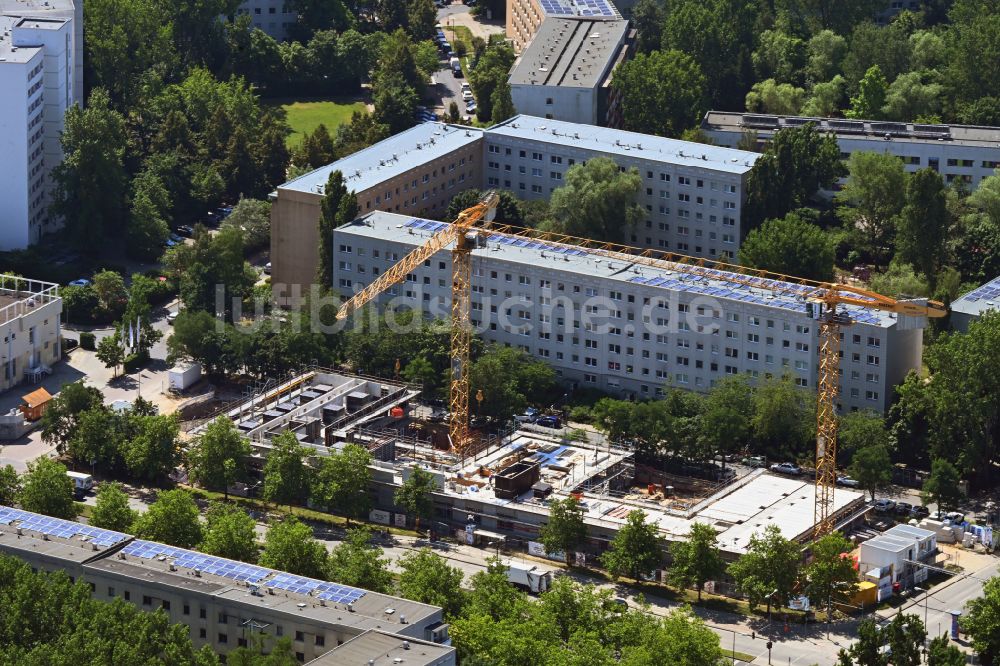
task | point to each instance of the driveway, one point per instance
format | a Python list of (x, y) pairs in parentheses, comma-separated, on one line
[(458, 14)]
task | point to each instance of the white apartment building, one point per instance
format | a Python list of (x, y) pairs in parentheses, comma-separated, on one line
[(963, 153), (692, 193), (274, 17), (30, 328), (627, 328), (566, 71), (41, 48)]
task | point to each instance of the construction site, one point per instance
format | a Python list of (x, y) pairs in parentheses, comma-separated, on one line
[(499, 488)]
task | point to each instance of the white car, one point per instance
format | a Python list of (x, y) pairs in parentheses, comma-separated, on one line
[(82, 282), (466, 86), (467, 95)]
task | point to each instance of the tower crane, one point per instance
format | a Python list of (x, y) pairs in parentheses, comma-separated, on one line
[(825, 301), (458, 232)]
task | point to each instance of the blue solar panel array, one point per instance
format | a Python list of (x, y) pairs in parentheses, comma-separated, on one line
[(189, 559), (782, 298), (579, 7), (987, 292), (340, 594), (56, 527)]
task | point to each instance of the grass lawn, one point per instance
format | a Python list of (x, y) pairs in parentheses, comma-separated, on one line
[(305, 115)]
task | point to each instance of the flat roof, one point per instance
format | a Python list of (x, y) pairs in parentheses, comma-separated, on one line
[(63, 539), (585, 8), (390, 157), (620, 142), (570, 52), (42, 23), (383, 649), (9, 54), (324, 601), (979, 300), (970, 135), (412, 231)]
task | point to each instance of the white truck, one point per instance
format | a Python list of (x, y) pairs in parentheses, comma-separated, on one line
[(182, 377), (81, 482), (529, 577)]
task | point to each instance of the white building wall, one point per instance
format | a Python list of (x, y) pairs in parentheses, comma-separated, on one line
[(648, 343), (693, 211), (275, 17), (20, 145), (575, 105)]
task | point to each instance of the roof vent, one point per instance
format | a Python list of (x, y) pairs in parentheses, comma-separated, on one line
[(389, 611), (322, 602), (402, 619), (197, 573), (406, 645), (350, 608), (300, 605)]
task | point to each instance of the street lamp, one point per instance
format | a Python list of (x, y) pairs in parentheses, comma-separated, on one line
[(927, 595)]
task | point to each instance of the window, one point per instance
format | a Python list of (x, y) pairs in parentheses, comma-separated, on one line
[(320, 640), (223, 618), (202, 633), (223, 638), (202, 613), (147, 600), (165, 605), (187, 609)]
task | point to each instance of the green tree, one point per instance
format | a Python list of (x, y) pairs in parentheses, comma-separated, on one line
[(286, 477), (830, 576), (726, 413), (10, 485), (923, 227), (941, 652), (111, 353), (905, 635), (111, 511), (253, 218), (565, 529), (356, 562), (826, 99), (872, 468), (289, 546), (334, 196), (635, 549), (796, 163), (229, 532), (415, 495), (868, 649), (826, 50), (503, 105), (872, 91), (61, 418), (769, 96), (421, 15), (151, 454), (661, 92), (771, 564), (395, 101), (91, 182), (110, 289), (871, 201), (316, 149), (791, 245), (509, 379), (780, 56), (218, 458), (491, 72), (697, 559), (913, 96), (597, 201), (783, 419), (492, 596), (427, 578), (508, 209), (147, 229), (982, 621), (342, 482), (941, 487), (647, 17), (45, 488), (173, 518)]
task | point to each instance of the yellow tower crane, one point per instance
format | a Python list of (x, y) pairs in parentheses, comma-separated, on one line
[(823, 299), (461, 292)]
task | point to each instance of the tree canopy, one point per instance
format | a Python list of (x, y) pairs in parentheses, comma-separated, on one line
[(597, 201)]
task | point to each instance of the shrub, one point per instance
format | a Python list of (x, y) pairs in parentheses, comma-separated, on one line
[(88, 340)]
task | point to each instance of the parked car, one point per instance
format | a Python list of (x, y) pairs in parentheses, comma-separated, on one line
[(470, 106), (172, 317), (530, 415), (755, 461), (466, 86), (549, 422), (919, 511), (175, 238), (884, 505), (903, 508), (847, 482), (438, 415), (81, 282), (185, 230), (955, 517), (786, 468), (267, 268)]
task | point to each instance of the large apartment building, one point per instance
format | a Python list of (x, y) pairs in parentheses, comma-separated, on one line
[(227, 604), (692, 193), (41, 75), (525, 17), (274, 17), (30, 328), (565, 73), (962, 153), (627, 328)]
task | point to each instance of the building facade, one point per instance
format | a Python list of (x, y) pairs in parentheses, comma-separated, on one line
[(565, 73), (274, 17), (692, 193), (41, 47), (961, 153), (224, 603), (30, 326), (525, 17), (630, 329)]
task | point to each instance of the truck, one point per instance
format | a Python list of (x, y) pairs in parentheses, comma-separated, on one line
[(529, 577), (81, 482), (456, 66), (182, 377)]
